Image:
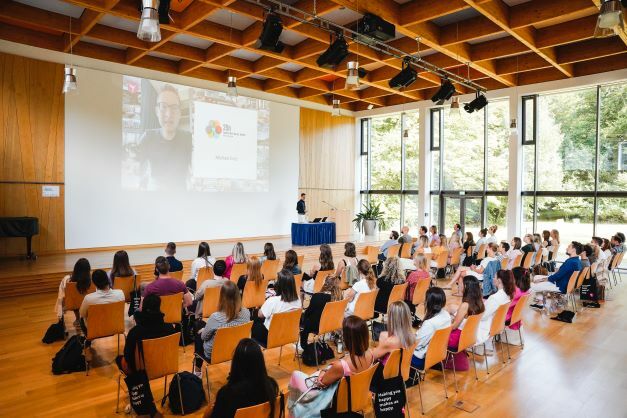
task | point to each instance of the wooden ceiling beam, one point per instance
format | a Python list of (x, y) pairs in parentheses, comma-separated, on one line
[(611, 63), (538, 11), (31, 37), (468, 30), (567, 32), (590, 50), (418, 11)]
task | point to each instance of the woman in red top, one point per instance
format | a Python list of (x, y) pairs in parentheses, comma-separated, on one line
[(421, 273)]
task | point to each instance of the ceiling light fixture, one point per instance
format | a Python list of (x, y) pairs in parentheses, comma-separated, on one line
[(69, 73), (454, 110), (270, 33), (445, 92), (335, 110), (231, 86), (335, 54), (405, 78), (370, 106), (352, 78), (478, 103), (149, 24), (610, 17)]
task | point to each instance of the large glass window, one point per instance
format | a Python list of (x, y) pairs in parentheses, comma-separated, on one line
[(411, 148), (385, 150), (613, 137), (497, 177), (463, 151)]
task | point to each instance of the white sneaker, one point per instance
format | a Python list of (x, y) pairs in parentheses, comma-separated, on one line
[(299, 349), (340, 348)]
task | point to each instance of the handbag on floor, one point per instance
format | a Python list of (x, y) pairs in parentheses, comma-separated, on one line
[(70, 357), (139, 391), (189, 386), (55, 332)]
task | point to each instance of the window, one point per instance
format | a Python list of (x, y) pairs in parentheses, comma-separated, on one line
[(497, 177), (529, 119), (385, 147), (411, 150), (613, 138), (463, 149)]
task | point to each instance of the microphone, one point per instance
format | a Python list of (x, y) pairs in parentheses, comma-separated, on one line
[(330, 205)]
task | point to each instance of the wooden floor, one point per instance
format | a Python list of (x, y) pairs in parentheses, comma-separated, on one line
[(565, 370)]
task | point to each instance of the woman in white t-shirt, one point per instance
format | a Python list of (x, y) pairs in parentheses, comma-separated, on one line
[(506, 286), (436, 318), (476, 271), (203, 260), (286, 299), (366, 283)]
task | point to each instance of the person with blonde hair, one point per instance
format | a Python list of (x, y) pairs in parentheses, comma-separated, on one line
[(390, 276), (238, 256), (253, 274), (399, 334), (422, 245), (366, 283), (492, 231), (421, 273)]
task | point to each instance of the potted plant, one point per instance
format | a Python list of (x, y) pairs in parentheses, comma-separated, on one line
[(369, 217)]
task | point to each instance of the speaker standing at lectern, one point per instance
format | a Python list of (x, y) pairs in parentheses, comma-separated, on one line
[(301, 209)]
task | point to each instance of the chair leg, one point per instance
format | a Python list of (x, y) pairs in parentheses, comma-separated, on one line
[(165, 386), (117, 404), (444, 377), (509, 357), (280, 352), (182, 336), (178, 379), (454, 371), (474, 364), (296, 355), (522, 342), (316, 352), (118, 344), (422, 407), (485, 356), (501, 345), (406, 400)]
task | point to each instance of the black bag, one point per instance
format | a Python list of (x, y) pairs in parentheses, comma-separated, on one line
[(139, 391), (187, 332), (70, 357), (377, 329), (324, 353), (588, 289), (55, 332), (136, 299), (190, 387), (331, 412), (390, 397), (565, 316)]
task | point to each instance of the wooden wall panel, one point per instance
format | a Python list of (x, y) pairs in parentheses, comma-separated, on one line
[(327, 161), (31, 149)]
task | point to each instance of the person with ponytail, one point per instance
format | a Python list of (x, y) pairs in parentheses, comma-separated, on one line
[(366, 283), (506, 290), (436, 317)]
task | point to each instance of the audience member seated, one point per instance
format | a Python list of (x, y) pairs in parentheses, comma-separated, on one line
[(81, 275), (523, 284), (482, 240), (492, 232), (103, 294), (506, 290), (537, 242), (203, 260), (230, 314), (585, 255), (478, 272), (268, 252), (349, 259), (390, 276), (405, 234), (434, 238), (443, 241), (121, 267), (383, 250), (454, 243), (218, 280), (170, 250), (546, 238), (291, 262), (436, 317), (457, 230), (366, 283), (164, 285), (513, 252), (330, 292), (472, 304), (469, 241), (421, 273), (421, 246), (238, 256), (148, 324), (528, 247), (247, 384), (286, 299), (560, 278), (325, 262), (253, 274), (360, 358)]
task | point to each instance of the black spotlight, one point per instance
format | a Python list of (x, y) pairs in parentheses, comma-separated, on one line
[(405, 78), (446, 91), (478, 103), (335, 54), (269, 37)]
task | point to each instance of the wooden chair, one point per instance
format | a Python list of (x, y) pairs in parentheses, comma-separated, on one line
[(301, 261), (394, 250), (517, 261), (254, 294), (582, 276), (436, 353), (481, 253), (440, 262), (330, 320), (364, 307), (529, 257), (269, 269), (261, 410), (172, 309), (504, 263), (238, 269), (470, 250), (73, 299), (391, 367), (420, 292), (178, 275), (298, 280), (205, 273), (456, 256), (361, 399), (570, 289), (496, 328), (406, 250), (320, 277), (127, 284), (372, 254), (553, 256), (210, 301), (161, 358), (467, 340), (284, 329), (397, 294), (517, 318), (104, 320)]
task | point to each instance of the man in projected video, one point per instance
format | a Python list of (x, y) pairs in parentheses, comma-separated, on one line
[(165, 154)]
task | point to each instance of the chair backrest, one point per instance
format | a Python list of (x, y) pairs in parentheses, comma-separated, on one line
[(504, 263), (210, 301), (237, 270), (298, 280), (269, 269), (320, 277), (204, 273), (125, 284), (260, 411), (372, 254), (391, 365), (517, 261), (420, 291), (332, 316), (226, 340), (360, 391), (456, 255), (556, 248), (394, 250), (397, 293), (364, 307), (468, 337), (582, 276), (254, 294), (442, 260), (481, 252), (406, 250), (572, 282), (470, 250), (436, 350), (178, 275), (498, 320), (105, 319), (528, 260), (518, 309), (301, 261), (171, 307), (593, 270), (284, 328), (73, 299), (161, 356)]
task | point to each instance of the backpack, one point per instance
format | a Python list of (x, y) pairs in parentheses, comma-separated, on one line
[(187, 331), (55, 332), (352, 274), (70, 357), (190, 388), (324, 353)]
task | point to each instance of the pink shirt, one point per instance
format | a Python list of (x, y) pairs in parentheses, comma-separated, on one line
[(412, 281), (517, 295)]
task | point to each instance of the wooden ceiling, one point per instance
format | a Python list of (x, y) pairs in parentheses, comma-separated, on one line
[(506, 42)]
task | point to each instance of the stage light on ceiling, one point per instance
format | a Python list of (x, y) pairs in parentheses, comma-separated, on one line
[(454, 110), (610, 18), (478, 103), (335, 54), (370, 106), (352, 78), (336, 111), (69, 80), (405, 78), (231, 86), (446, 91), (149, 24), (270, 33)]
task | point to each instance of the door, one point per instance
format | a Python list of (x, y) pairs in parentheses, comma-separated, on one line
[(465, 210)]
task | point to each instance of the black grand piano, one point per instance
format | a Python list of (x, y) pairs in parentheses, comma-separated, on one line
[(24, 227)]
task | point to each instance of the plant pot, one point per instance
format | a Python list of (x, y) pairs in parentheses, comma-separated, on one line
[(370, 226)]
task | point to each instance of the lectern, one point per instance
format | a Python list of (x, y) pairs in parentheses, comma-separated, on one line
[(342, 219)]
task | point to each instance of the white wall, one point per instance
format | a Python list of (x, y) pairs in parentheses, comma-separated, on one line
[(98, 213)]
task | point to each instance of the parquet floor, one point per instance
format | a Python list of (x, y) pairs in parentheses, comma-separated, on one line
[(574, 370)]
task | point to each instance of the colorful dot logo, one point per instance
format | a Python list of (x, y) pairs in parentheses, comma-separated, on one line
[(214, 129)]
